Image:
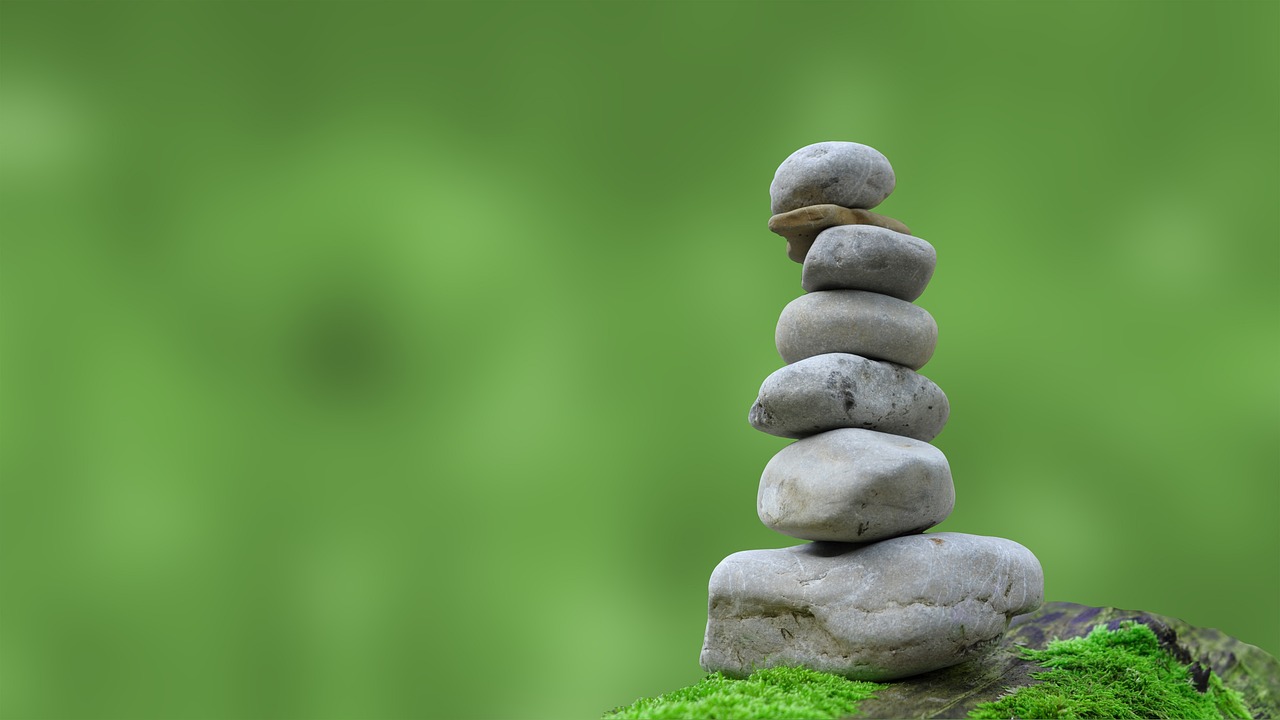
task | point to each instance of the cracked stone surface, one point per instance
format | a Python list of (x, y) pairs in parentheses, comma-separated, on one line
[(878, 611), (853, 485), (858, 323), (847, 174), (838, 390), (865, 257)]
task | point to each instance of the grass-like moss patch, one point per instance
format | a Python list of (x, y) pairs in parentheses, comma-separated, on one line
[(781, 693), (1128, 672), (1122, 673)]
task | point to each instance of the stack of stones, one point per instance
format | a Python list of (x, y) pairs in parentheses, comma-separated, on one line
[(872, 597)]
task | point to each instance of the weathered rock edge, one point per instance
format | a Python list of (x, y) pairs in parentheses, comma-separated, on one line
[(955, 691), (876, 611)]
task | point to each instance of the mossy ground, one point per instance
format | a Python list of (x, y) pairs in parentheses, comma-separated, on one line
[(781, 693), (1122, 673)]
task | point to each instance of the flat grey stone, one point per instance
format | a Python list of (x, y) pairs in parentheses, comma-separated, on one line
[(859, 323), (831, 173), (878, 611), (838, 390), (866, 257), (852, 485)]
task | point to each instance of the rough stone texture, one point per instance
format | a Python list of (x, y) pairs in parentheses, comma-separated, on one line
[(859, 323), (956, 691), (831, 173), (852, 485), (864, 257), (878, 611), (801, 226), (838, 390)]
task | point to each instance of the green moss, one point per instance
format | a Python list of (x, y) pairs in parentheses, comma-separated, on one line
[(1122, 673), (775, 693), (1114, 674)]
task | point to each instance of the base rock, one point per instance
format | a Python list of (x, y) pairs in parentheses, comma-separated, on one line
[(955, 691), (878, 611)]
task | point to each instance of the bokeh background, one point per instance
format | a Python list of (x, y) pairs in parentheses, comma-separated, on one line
[(392, 360)]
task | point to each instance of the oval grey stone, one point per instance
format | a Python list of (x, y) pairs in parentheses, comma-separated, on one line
[(878, 611), (859, 323), (847, 174), (866, 257), (852, 485), (838, 390)]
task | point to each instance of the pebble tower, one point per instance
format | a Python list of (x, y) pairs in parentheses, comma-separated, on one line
[(871, 596)]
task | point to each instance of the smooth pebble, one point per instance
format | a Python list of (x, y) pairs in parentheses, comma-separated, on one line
[(847, 174), (852, 485), (859, 323), (865, 257)]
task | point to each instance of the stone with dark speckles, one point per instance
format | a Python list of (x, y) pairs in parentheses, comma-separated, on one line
[(865, 257), (836, 390), (847, 174)]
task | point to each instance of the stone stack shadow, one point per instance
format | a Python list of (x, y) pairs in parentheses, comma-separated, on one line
[(872, 597)]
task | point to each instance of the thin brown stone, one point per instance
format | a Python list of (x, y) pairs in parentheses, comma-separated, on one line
[(801, 226)]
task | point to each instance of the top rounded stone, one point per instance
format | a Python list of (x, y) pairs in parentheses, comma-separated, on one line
[(831, 173)]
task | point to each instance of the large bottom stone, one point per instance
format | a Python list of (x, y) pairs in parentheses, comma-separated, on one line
[(878, 611)]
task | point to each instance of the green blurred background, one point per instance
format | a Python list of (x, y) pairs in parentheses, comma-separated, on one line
[(392, 360)]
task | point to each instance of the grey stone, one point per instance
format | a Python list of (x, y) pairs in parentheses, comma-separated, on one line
[(801, 226), (859, 323), (852, 485), (847, 174), (838, 390), (866, 257), (878, 611)]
